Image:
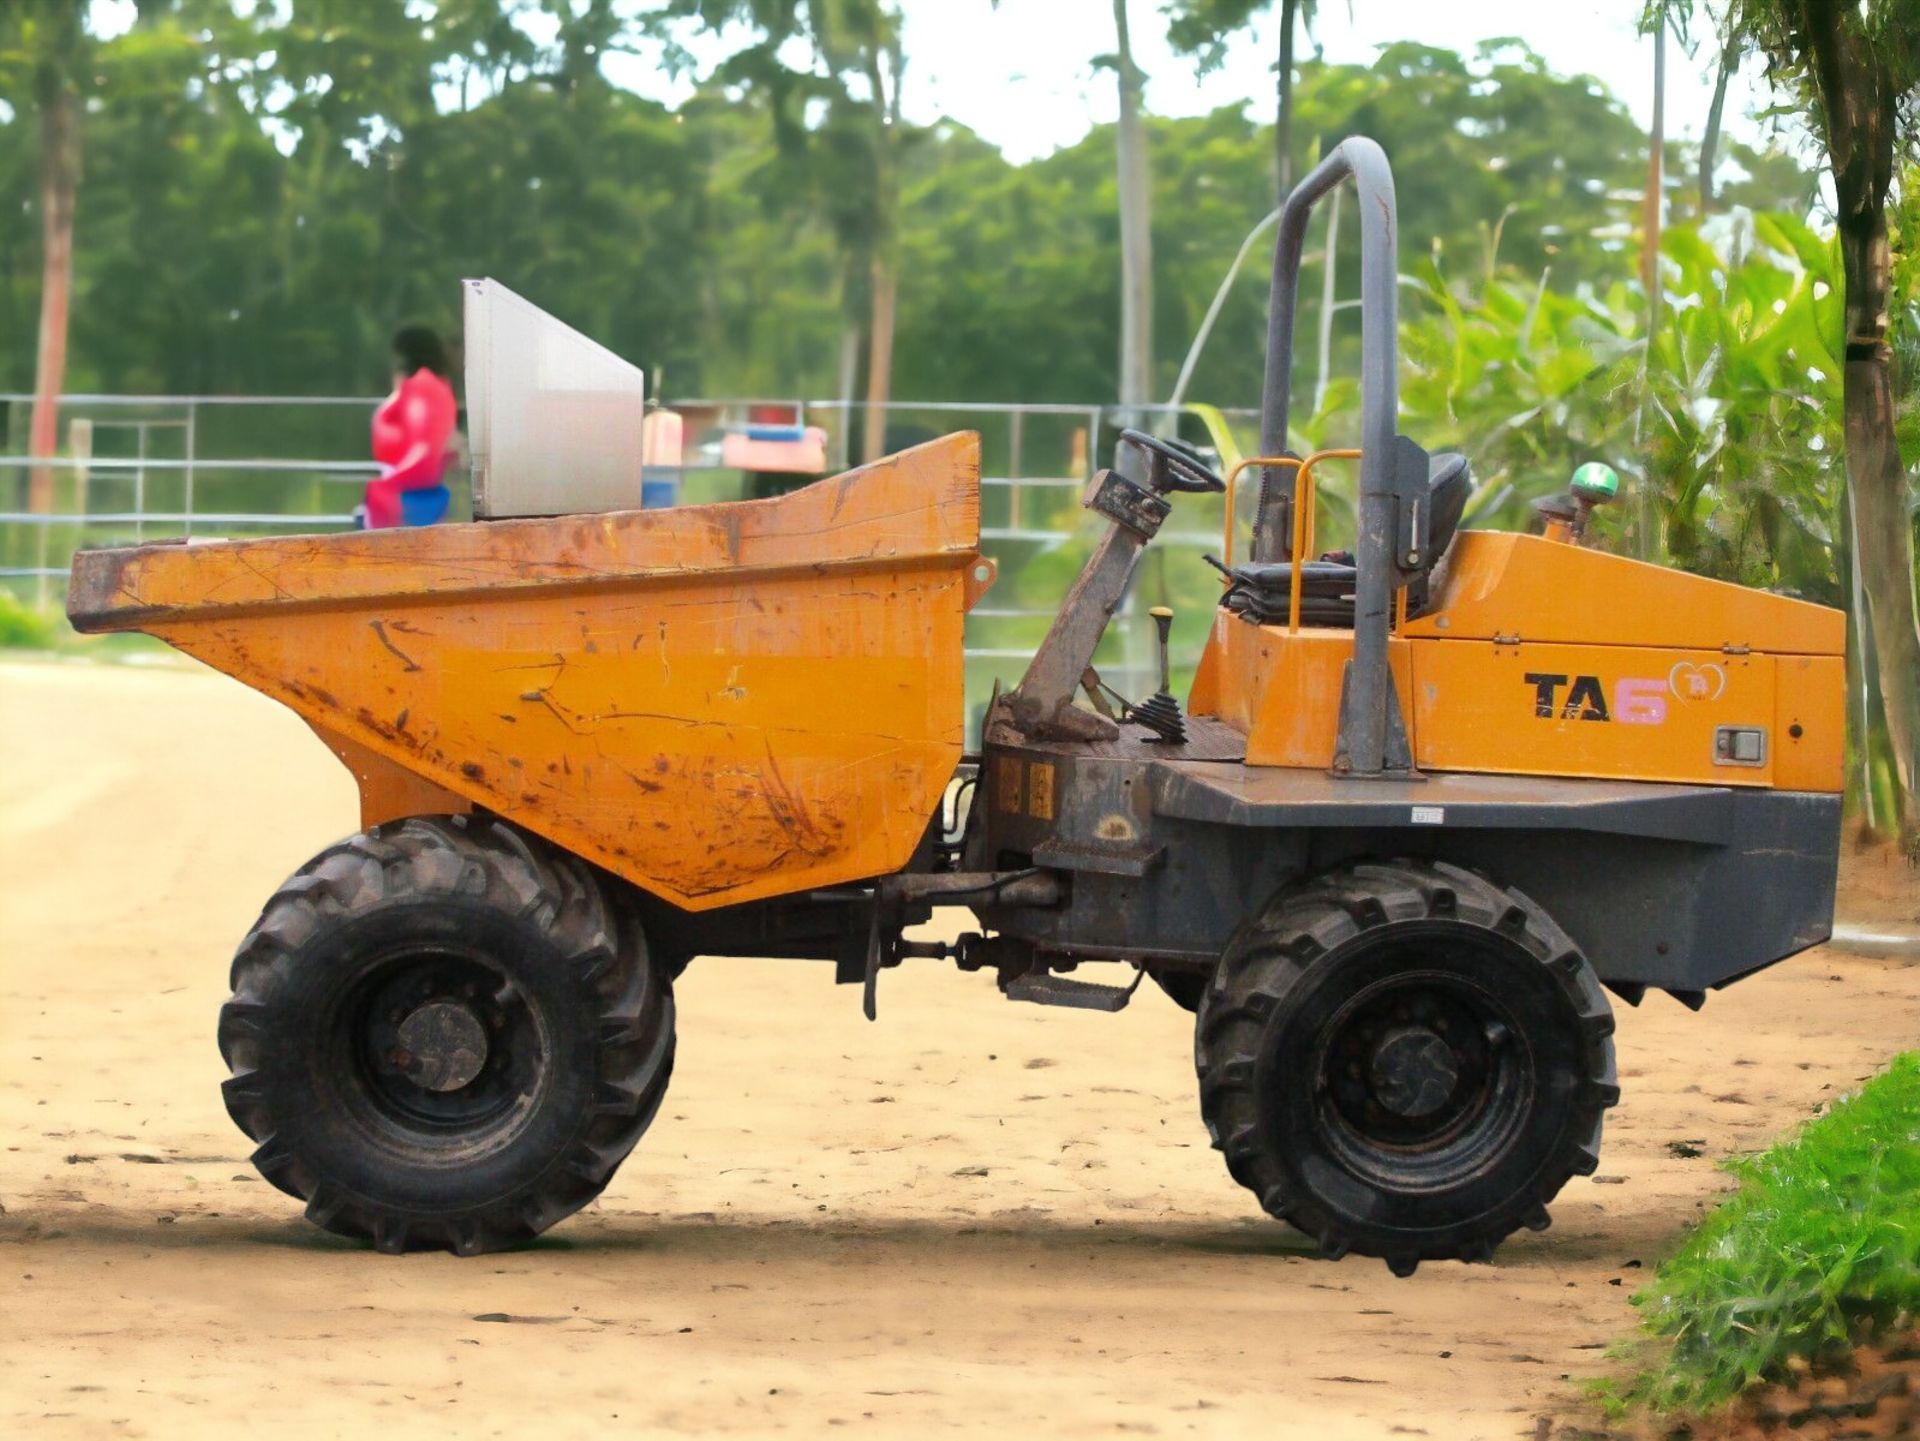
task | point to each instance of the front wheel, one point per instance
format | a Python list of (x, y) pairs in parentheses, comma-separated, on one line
[(439, 1038), (1406, 1061)]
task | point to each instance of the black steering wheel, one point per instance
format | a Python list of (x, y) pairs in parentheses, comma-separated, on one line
[(1173, 466)]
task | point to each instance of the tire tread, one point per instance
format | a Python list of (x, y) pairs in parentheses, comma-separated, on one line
[(1268, 959), (424, 858)]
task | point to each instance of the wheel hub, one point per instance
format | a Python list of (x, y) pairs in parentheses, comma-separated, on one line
[(1411, 1065), (1413, 1072), (442, 1046)]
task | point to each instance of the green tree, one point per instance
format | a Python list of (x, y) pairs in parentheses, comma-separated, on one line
[(54, 69), (1046, 328), (255, 225), (1728, 67), (1136, 222), (182, 194), (849, 155), (1203, 28), (1497, 160), (44, 47), (1856, 68)]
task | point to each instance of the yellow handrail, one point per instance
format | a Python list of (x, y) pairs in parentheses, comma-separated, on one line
[(1292, 462), (1303, 508)]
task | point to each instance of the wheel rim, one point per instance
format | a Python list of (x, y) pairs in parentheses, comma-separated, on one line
[(1422, 1080), (441, 1045)]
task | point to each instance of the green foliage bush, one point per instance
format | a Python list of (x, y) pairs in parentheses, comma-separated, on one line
[(1727, 426), (1820, 1243), (21, 626)]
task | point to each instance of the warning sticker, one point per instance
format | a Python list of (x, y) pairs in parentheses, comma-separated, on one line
[(1040, 791), (1006, 783)]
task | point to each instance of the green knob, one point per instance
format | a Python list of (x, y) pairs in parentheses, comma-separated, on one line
[(1596, 481)]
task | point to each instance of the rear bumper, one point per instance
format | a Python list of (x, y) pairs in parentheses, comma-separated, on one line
[(1685, 915)]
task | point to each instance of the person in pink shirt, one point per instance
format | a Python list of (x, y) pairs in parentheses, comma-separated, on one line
[(411, 433)]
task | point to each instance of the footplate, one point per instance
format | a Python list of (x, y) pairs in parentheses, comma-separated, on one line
[(1043, 988)]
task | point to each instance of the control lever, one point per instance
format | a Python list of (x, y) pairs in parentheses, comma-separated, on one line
[(1096, 689), (1041, 707), (1160, 712)]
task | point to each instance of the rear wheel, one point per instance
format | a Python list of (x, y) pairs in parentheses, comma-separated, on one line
[(440, 1039), (1405, 1060)]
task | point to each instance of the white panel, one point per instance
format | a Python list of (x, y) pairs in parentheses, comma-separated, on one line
[(553, 419)]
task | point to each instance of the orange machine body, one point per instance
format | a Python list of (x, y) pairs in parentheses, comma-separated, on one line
[(720, 703), (1543, 658)]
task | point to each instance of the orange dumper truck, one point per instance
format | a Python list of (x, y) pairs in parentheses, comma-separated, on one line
[(1419, 815)]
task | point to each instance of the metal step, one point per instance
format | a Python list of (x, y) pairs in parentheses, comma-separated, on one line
[(1043, 988)]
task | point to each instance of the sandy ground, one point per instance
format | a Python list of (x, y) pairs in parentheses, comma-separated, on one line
[(974, 1217)]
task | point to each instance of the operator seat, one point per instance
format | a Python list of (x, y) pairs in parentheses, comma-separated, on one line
[(1260, 591)]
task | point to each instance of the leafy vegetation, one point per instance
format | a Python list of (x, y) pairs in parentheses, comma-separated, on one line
[(1204, 28), (846, 164), (249, 221), (1820, 1244), (22, 625), (1729, 420), (1855, 71)]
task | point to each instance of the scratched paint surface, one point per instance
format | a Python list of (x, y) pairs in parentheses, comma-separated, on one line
[(715, 732)]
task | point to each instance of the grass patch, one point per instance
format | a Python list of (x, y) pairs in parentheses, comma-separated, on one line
[(21, 626), (25, 627), (1819, 1247)]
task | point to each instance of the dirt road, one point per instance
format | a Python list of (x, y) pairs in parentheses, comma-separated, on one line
[(974, 1217)]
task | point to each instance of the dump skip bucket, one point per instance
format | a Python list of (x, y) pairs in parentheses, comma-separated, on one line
[(720, 703)]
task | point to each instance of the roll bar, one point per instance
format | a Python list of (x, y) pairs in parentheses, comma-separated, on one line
[(1379, 343), (1391, 538)]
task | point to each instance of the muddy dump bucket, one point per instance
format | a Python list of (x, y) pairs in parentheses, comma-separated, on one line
[(720, 703)]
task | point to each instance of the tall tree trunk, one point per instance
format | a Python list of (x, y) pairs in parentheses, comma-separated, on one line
[(1136, 230), (1862, 714), (59, 180), (1283, 117), (1710, 140), (1656, 148), (1877, 487), (1644, 540), (886, 280), (846, 378), (884, 269), (1858, 112)]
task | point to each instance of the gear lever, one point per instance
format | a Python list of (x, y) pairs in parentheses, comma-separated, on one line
[(1160, 712)]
